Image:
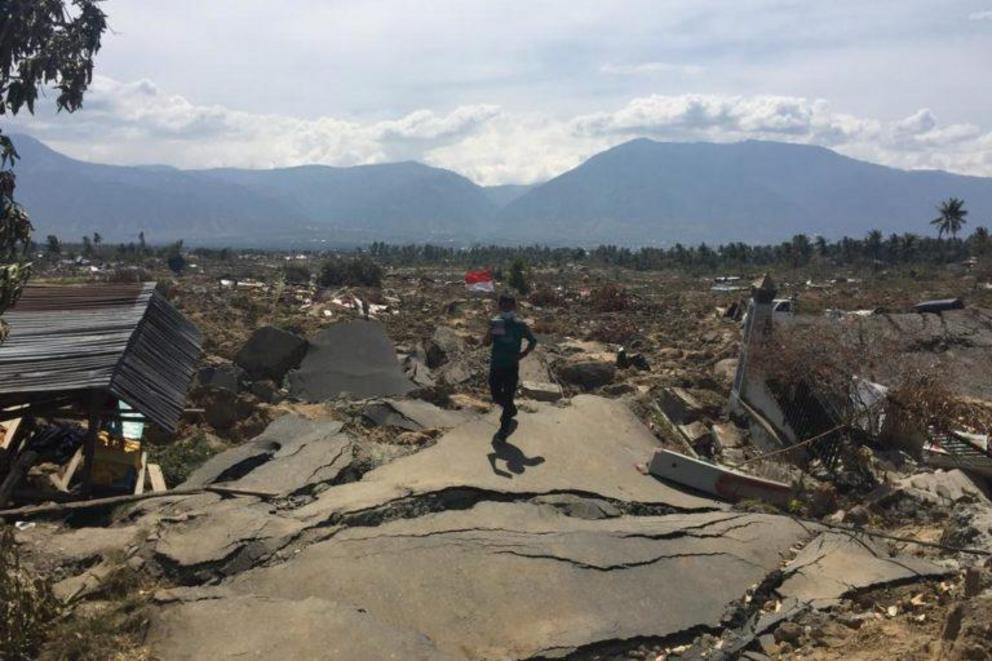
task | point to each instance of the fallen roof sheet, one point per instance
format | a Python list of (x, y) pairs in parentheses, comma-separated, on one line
[(125, 338), (354, 357)]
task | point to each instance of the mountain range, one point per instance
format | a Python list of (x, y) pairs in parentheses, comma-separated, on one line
[(639, 193)]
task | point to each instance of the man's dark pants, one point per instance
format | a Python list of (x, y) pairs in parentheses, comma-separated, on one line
[(503, 386)]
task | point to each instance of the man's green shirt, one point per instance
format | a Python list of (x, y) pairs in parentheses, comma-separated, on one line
[(508, 336)]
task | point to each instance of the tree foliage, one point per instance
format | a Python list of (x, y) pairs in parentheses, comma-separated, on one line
[(43, 44), (951, 218)]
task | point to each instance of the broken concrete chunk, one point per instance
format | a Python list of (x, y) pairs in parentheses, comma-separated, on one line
[(725, 370), (696, 433), (270, 353), (680, 405), (444, 345), (542, 392), (836, 564), (944, 487), (727, 436), (455, 373)]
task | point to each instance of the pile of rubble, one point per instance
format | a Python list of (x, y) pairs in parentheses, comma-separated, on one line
[(653, 500)]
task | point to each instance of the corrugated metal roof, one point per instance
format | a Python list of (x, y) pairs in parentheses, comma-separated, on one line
[(123, 338)]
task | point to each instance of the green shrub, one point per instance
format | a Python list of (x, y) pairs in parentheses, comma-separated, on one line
[(360, 271), (518, 276), (180, 458)]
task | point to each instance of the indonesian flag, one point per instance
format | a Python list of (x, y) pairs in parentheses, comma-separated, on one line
[(481, 280)]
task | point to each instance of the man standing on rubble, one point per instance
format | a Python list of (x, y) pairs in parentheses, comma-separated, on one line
[(506, 335)]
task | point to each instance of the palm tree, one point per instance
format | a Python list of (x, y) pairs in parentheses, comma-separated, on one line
[(951, 218), (873, 244)]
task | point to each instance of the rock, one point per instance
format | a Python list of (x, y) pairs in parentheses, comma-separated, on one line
[(542, 392), (444, 345), (618, 389), (726, 435), (588, 374), (858, 516), (455, 373), (697, 434), (960, 530), (788, 632), (972, 582), (418, 372), (267, 391), (636, 360), (952, 624), (944, 487), (226, 377), (222, 409), (270, 353), (725, 370), (580, 507), (681, 406)]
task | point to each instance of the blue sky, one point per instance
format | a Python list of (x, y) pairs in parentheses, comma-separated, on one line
[(518, 91)]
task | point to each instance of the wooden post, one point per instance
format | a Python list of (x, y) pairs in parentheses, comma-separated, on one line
[(89, 442)]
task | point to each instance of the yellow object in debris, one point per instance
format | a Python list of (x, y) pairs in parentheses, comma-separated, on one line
[(116, 462)]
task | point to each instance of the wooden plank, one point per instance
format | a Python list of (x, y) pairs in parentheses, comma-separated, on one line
[(71, 468), (63, 508), (10, 430), (139, 484), (156, 479)]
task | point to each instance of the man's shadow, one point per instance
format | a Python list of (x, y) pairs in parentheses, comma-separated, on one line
[(516, 461)]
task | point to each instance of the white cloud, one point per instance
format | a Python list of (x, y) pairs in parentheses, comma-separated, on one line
[(981, 15), (650, 68), (138, 122)]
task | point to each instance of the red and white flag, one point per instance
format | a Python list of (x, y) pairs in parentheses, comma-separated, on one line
[(481, 280)]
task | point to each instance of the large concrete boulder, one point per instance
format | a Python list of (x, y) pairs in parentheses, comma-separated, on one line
[(587, 374), (445, 345), (270, 353), (354, 358)]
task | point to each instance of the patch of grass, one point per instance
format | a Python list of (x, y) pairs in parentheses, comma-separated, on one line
[(179, 459), (112, 632)]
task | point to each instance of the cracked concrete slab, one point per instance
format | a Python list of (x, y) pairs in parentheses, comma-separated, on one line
[(514, 580), (835, 564), (252, 627), (293, 453), (588, 448), (414, 415), (230, 536)]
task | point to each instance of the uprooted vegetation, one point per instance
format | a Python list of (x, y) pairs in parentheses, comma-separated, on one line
[(27, 604)]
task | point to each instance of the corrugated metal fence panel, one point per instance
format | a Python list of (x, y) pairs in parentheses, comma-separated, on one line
[(158, 366), (125, 338)]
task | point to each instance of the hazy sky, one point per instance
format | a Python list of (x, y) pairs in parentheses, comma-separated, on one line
[(508, 91)]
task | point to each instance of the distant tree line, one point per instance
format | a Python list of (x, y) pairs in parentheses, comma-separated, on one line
[(873, 250)]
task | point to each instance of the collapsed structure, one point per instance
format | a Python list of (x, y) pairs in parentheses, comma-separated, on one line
[(108, 354)]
